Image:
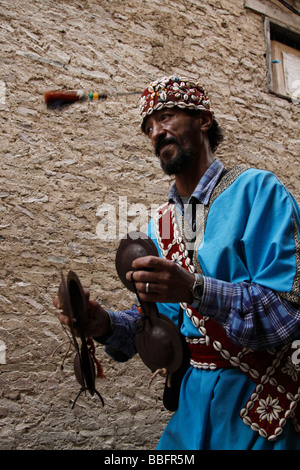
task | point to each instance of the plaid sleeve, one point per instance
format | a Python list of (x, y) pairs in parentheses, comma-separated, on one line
[(253, 316), (120, 346)]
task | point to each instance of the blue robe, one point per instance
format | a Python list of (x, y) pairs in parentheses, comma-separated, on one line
[(251, 235)]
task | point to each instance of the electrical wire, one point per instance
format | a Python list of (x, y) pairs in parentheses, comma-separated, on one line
[(290, 7)]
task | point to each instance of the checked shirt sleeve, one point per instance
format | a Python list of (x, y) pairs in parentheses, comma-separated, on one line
[(120, 346), (253, 316)]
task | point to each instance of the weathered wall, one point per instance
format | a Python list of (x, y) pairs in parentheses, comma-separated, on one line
[(59, 166)]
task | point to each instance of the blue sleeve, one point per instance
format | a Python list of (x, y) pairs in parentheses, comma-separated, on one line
[(264, 310)]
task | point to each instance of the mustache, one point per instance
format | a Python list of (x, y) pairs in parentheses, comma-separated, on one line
[(162, 142)]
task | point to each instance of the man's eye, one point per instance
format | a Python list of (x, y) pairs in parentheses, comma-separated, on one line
[(148, 130), (165, 116)]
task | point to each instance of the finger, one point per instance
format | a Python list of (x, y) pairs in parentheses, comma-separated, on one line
[(148, 288), (64, 319), (129, 275), (149, 262), (87, 294), (151, 297), (142, 276), (56, 302)]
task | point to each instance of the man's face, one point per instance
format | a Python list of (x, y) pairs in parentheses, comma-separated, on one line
[(176, 138)]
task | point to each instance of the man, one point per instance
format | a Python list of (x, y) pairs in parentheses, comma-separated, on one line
[(231, 266)]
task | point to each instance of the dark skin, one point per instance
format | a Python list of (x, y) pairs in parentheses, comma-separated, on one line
[(168, 281)]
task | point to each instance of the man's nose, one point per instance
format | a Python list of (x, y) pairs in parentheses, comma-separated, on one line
[(158, 131)]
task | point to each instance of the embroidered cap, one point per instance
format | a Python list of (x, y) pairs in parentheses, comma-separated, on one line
[(173, 91)]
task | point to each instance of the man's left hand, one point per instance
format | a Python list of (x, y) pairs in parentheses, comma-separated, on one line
[(160, 280)]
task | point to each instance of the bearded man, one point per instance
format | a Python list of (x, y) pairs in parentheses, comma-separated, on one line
[(227, 275)]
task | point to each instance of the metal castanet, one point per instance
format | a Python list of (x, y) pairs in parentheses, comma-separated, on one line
[(75, 304), (158, 339)]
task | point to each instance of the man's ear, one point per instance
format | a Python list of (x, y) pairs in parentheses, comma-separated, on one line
[(205, 120)]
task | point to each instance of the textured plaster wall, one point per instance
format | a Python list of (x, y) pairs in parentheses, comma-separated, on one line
[(59, 166)]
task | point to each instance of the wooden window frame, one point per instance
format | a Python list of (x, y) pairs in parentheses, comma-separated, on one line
[(274, 56)]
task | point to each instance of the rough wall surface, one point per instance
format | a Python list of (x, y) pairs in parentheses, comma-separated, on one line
[(59, 166)]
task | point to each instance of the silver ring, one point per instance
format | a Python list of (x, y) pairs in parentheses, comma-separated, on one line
[(147, 287)]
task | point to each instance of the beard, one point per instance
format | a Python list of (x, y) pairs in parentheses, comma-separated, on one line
[(183, 159)]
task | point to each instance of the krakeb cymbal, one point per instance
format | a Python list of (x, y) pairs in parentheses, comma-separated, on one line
[(158, 340)]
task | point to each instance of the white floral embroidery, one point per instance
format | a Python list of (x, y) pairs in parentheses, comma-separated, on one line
[(269, 409), (291, 369), (177, 258)]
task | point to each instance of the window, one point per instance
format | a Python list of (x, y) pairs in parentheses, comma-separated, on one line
[(283, 56)]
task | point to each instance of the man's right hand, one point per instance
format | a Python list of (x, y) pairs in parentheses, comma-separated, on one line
[(99, 322)]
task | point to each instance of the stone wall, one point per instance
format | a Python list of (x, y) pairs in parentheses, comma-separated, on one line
[(58, 167)]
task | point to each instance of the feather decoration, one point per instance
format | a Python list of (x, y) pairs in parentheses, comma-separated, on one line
[(60, 97), (57, 98)]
